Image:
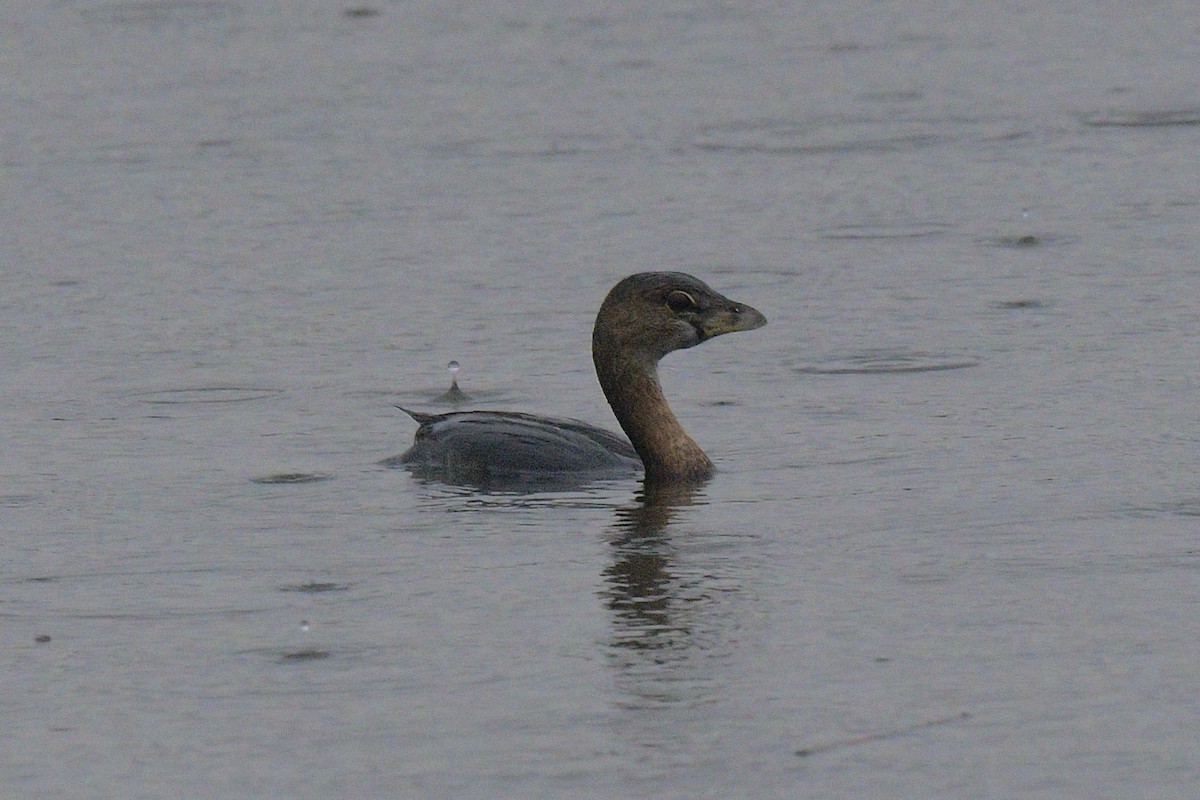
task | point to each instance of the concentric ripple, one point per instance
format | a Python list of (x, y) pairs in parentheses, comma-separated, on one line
[(887, 362)]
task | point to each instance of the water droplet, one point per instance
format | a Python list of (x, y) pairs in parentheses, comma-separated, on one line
[(453, 394)]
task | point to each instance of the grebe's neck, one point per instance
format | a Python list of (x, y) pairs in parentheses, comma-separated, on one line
[(630, 382)]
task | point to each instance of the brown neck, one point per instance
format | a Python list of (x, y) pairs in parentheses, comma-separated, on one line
[(632, 388)]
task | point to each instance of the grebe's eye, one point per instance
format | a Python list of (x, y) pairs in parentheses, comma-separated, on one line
[(680, 301)]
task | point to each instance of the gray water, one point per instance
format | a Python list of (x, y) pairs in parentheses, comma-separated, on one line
[(953, 546)]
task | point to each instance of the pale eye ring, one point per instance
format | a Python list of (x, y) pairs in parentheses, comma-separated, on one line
[(680, 301)]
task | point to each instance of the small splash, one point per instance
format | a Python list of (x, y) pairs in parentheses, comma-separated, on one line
[(887, 362), (292, 477), (453, 395), (207, 394)]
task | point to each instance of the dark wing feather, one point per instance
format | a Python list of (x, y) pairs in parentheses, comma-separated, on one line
[(466, 445)]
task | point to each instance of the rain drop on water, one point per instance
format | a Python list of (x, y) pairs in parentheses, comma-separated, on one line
[(453, 394)]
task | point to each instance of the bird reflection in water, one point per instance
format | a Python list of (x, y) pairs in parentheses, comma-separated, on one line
[(675, 600), (641, 587)]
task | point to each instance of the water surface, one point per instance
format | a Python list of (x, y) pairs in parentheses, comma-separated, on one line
[(952, 548)]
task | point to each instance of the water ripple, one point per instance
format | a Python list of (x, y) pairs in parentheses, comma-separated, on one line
[(847, 136), (887, 362), (1189, 507), (1134, 118), (206, 394), (1026, 241), (292, 477), (898, 230), (315, 587), (792, 138)]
